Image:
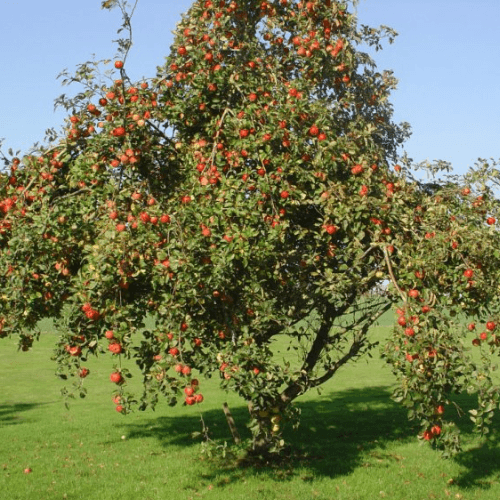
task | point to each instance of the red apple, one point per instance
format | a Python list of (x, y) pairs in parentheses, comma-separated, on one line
[(330, 228), (75, 351), (119, 131), (436, 430), (314, 130), (116, 377), (468, 273), (115, 348)]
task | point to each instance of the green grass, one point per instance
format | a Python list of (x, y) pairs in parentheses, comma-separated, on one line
[(359, 443)]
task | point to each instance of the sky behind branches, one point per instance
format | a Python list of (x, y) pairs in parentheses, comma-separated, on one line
[(446, 58)]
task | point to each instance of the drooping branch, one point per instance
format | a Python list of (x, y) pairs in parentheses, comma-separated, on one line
[(356, 346), (391, 274), (304, 382)]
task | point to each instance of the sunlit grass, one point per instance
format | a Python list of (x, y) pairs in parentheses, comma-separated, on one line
[(353, 443)]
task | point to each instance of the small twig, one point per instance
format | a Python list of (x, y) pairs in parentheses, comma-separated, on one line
[(391, 274), (74, 193), (214, 148)]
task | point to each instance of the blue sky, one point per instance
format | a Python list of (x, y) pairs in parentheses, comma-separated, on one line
[(446, 57)]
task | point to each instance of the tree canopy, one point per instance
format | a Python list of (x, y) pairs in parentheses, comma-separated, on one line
[(251, 190)]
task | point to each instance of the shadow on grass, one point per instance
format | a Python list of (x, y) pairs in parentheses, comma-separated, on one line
[(337, 434), (9, 413)]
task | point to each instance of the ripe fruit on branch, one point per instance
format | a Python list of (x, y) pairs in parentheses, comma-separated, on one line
[(75, 351), (436, 430), (115, 348), (92, 314), (119, 131), (116, 377), (314, 130), (118, 64), (363, 191), (357, 169), (330, 228), (145, 217), (468, 273), (427, 435)]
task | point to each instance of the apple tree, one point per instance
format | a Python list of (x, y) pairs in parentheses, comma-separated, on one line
[(246, 196)]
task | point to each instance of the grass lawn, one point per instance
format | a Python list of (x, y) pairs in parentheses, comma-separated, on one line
[(359, 443)]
